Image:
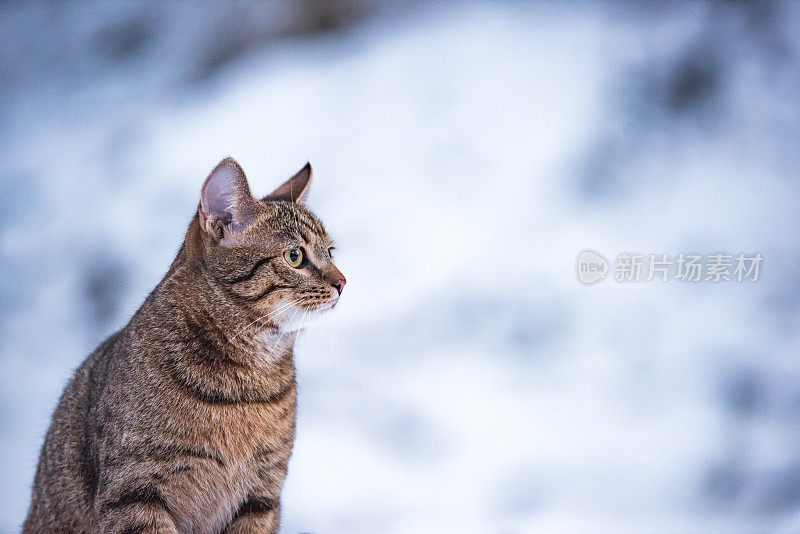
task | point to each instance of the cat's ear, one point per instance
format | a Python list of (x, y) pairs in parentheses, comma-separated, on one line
[(225, 200), (295, 188)]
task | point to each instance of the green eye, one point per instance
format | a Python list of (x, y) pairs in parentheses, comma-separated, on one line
[(294, 257)]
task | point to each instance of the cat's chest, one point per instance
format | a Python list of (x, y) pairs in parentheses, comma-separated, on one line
[(207, 499), (253, 444), (258, 431)]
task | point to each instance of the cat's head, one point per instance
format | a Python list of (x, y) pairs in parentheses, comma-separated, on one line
[(270, 256)]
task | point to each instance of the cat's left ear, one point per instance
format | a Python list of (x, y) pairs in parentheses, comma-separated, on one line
[(225, 202), (295, 189)]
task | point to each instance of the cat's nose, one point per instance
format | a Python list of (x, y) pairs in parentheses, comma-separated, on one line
[(339, 284)]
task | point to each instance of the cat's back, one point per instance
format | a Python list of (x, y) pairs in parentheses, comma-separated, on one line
[(67, 473)]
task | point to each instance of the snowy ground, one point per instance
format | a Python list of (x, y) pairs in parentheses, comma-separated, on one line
[(464, 154)]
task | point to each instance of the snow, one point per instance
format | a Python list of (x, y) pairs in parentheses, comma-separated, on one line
[(463, 154)]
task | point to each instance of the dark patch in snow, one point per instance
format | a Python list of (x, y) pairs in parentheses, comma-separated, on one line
[(693, 83), (744, 392), (103, 285), (126, 38), (724, 483), (243, 29), (780, 491)]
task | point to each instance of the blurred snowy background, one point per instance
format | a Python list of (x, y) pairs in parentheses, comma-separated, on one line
[(464, 155)]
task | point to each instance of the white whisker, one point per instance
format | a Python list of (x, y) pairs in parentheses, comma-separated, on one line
[(336, 336), (281, 312), (282, 333), (263, 317), (308, 316)]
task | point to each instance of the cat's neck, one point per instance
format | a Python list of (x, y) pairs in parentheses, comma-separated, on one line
[(189, 334), (235, 330)]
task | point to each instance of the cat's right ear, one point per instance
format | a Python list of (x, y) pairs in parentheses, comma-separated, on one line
[(226, 204), (294, 189)]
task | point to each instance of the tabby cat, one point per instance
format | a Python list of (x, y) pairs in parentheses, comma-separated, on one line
[(184, 420)]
